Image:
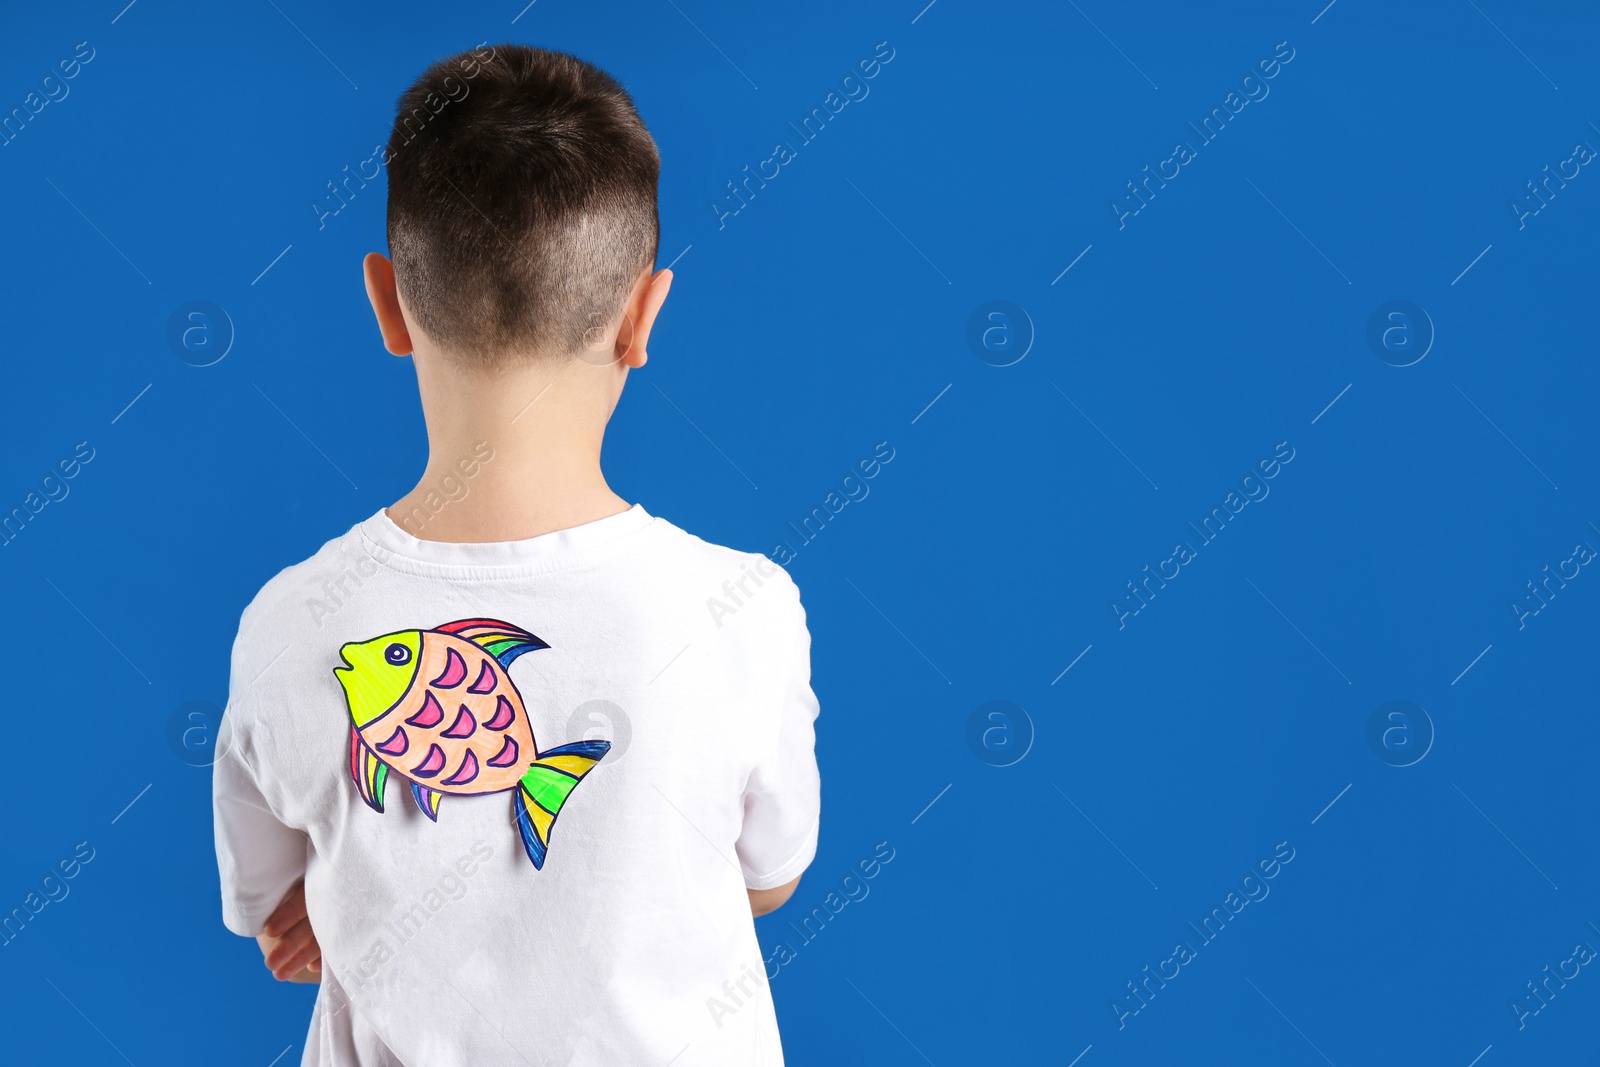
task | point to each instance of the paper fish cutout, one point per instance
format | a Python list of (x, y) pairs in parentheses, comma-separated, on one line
[(438, 708)]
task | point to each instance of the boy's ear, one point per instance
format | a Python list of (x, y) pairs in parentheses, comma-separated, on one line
[(385, 300), (644, 303)]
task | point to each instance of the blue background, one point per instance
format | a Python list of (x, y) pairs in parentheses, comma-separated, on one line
[(1175, 754)]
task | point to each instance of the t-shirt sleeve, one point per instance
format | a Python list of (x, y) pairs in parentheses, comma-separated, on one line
[(258, 857), (782, 798)]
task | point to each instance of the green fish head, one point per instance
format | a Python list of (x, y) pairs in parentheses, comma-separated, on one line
[(378, 672)]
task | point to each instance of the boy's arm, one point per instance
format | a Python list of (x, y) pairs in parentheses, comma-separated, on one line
[(260, 861), (782, 797), (767, 901), (288, 944)]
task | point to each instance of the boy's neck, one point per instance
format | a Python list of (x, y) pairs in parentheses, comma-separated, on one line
[(510, 456)]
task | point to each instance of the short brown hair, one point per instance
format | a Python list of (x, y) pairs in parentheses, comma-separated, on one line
[(522, 201)]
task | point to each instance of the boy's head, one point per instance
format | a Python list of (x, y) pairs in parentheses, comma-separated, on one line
[(522, 211)]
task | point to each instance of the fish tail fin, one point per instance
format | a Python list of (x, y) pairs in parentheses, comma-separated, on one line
[(544, 789), (369, 772), (501, 640)]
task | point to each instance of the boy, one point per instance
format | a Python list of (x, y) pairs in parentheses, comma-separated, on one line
[(532, 793)]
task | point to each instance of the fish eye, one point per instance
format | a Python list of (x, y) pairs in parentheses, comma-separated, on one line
[(397, 654)]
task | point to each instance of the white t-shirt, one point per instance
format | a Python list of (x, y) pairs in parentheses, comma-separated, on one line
[(464, 925)]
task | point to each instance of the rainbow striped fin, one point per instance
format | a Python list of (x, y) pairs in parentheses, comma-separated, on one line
[(544, 789), (427, 800), (369, 772), (502, 640)]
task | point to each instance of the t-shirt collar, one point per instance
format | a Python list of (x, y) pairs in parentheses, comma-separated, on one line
[(392, 545)]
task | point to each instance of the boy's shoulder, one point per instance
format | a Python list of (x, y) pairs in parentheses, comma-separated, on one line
[(304, 593), (719, 558), (713, 582), (695, 551)]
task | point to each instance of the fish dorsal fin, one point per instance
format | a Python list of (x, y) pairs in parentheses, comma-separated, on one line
[(500, 639)]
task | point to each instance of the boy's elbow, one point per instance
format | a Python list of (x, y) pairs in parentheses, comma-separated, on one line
[(767, 901)]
